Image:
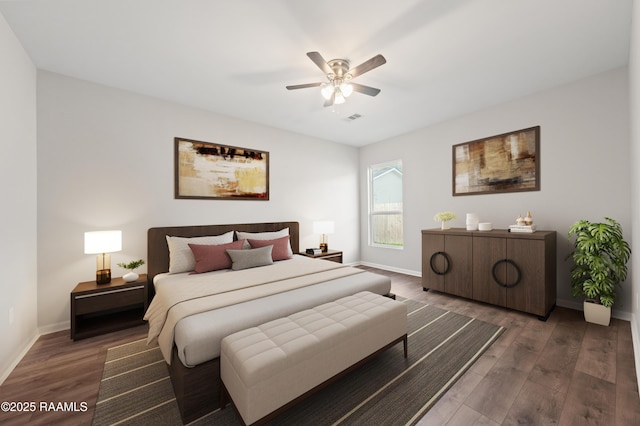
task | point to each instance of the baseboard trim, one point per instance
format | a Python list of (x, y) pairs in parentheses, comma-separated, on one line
[(635, 340), (17, 360), (572, 304), (53, 328), (390, 268)]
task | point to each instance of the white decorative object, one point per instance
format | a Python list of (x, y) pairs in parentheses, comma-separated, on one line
[(130, 277), (472, 222), (522, 228), (596, 313), (445, 225), (528, 220), (485, 226)]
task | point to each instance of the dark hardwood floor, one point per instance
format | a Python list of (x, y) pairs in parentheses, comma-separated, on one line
[(559, 372), (57, 369)]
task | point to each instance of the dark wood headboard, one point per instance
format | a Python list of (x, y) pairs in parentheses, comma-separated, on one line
[(158, 251)]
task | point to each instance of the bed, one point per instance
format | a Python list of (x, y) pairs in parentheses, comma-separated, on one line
[(191, 340)]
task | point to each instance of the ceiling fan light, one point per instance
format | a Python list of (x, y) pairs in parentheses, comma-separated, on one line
[(326, 90), (346, 89), (339, 98)]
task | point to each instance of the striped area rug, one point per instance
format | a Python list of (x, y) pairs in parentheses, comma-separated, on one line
[(389, 390)]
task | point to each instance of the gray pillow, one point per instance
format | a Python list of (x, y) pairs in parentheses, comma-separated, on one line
[(244, 259)]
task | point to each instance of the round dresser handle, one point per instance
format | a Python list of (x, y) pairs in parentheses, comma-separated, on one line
[(447, 262), (518, 273)]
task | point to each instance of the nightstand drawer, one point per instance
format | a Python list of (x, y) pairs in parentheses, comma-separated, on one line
[(109, 299)]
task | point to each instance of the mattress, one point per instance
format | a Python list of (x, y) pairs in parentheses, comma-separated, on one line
[(198, 337)]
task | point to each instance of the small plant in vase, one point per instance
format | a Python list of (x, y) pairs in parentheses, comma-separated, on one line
[(131, 266), (444, 218)]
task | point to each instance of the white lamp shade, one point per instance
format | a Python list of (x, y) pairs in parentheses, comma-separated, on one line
[(326, 91), (346, 89), (97, 242), (323, 227)]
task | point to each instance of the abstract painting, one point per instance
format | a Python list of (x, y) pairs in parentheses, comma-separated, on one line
[(206, 170), (509, 162)]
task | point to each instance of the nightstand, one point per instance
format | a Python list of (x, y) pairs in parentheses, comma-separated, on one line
[(333, 255), (101, 308)]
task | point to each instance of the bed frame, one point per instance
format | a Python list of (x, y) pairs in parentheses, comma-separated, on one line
[(197, 389)]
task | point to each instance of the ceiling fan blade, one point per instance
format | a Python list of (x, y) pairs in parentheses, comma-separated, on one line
[(303, 86), (371, 91), (372, 63), (329, 102), (320, 62)]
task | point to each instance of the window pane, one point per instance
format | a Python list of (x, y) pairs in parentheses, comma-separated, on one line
[(386, 204), (387, 188), (387, 229)]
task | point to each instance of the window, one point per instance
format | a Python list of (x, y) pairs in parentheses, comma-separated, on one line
[(385, 205)]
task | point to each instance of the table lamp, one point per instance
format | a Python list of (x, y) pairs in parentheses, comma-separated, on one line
[(102, 243), (324, 228)]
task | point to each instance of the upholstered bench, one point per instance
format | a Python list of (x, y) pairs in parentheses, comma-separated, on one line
[(267, 369)]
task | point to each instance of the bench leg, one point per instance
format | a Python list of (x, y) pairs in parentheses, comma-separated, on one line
[(224, 396), (405, 346)]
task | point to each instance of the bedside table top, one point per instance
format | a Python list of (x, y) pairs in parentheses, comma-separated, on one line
[(92, 286), (329, 252)]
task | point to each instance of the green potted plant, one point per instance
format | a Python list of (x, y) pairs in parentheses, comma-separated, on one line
[(131, 266), (600, 255)]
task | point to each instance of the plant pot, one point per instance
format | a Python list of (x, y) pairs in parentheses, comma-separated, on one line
[(445, 225), (596, 313), (130, 277)]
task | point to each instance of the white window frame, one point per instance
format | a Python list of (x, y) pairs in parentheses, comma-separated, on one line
[(371, 213)]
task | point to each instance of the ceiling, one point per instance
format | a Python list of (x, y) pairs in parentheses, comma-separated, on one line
[(445, 58)]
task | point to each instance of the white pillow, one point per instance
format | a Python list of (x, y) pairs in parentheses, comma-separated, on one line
[(263, 236), (180, 255)]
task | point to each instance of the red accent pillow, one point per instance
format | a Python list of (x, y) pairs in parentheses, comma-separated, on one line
[(280, 247), (213, 257)]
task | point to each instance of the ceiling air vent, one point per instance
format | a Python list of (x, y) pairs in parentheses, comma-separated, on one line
[(353, 117)]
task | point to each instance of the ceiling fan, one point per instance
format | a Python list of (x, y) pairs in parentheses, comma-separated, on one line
[(339, 75)]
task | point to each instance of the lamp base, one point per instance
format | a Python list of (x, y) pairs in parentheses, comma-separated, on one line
[(324, 247), (103, 276)]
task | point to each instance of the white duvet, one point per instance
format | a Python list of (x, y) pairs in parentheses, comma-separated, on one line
[(182, 295)]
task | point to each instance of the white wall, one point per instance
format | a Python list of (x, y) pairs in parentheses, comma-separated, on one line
[(18, 187), (634, 113), (105, 161), (585, 170)]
